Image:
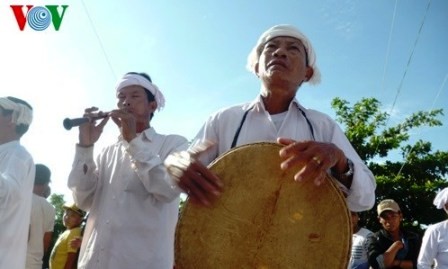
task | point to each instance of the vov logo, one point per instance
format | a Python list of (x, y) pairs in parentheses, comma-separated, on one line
[(39, 17)]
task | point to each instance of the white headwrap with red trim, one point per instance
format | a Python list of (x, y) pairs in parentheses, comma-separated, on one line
[(135, 79), (290, 31), (22, 114)]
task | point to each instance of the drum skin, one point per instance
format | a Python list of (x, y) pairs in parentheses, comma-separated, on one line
[(264, 219)]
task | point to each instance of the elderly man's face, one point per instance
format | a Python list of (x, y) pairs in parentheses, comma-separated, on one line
[(283, 60)]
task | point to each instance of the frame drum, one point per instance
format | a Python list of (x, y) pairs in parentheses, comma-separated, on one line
[(264, 219)]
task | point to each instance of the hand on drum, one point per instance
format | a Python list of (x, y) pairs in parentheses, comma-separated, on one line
[(201, 185), (312, 159)]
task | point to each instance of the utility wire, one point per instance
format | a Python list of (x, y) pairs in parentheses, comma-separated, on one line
[(386, 63), (431, 108), (404, 75), (407, 65), (410, 56), (387, 57), (99, 40)]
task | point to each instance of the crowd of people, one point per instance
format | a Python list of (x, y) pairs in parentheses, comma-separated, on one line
[(396, 247), (131, 189)]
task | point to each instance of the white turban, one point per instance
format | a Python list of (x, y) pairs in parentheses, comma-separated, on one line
[(21, 114), (135, 79), (441, 199), (290, 31)]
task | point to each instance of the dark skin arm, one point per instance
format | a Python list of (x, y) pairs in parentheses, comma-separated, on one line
[(47, 241), (391, 253), (76, 243), (405, 264), (71, 261)]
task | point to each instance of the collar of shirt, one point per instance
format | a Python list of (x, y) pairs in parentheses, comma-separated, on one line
[(258, 105), (9, 144), (148, 135)]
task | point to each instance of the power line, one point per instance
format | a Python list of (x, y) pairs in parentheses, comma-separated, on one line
[(407, 65), (388, 46), (405, 72), (440, 91), (99, 40), (410, 56), (431, 108)]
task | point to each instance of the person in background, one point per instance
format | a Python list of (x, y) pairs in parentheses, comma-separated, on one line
[(133, 202), (46, 193), (63, 255), (434, 249), (16, 182), (358, 256), (76, 242), (392, 246), (313, 143), (42, 220)]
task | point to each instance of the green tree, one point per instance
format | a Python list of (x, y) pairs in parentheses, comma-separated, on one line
[(414, 176), (57, 200)]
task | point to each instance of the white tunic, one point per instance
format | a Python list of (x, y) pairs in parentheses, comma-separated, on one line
[(132, 200), (42, 221), (434, 247), (16, 187), (258, 126), (359, 248)]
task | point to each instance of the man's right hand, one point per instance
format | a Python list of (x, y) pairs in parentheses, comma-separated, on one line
[(90, 132), (195, 179)]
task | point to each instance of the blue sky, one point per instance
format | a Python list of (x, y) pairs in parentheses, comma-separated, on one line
[(196, 52)]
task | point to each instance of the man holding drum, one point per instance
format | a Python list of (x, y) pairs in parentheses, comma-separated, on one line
[(313, 143), (132, 201)]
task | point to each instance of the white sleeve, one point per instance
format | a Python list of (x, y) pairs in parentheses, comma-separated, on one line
[(83, 178), (49, 216), (428, 249), (361, 195), (150, 168)]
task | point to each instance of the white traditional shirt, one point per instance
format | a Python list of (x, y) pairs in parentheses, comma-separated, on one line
[(434, 249), (222, 126), (132, 201), (16, 187), (42, 222), (359, 248)]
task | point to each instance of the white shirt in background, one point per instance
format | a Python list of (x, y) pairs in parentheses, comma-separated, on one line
[(16, 188), (434, 247), (42, 221), (359, 252)]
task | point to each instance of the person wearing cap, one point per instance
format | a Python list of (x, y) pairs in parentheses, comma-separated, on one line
[(132, 201), (42, 220), (63, 254), (434, 249), (283, 59), (16, 181), (392, 246)]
